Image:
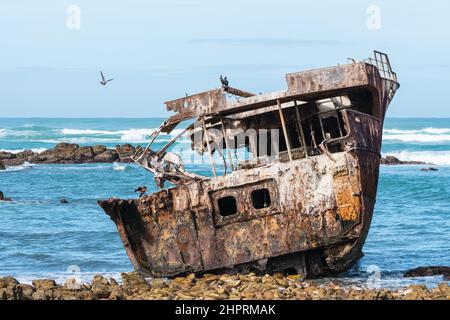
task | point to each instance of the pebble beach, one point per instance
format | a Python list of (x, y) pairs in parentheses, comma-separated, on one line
[(210, 287)]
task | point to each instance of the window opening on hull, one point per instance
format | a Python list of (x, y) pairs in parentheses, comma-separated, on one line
[(227, 206), (261, 199)]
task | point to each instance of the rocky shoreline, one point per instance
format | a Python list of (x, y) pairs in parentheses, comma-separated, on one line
[(390, 160), (209, 287), (70, 153)]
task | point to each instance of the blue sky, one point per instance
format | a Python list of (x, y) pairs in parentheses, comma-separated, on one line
[(160, 50)]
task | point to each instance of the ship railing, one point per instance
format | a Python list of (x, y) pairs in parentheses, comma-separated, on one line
[(381, 61)]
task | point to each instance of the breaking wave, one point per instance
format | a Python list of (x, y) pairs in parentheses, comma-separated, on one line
[(430, 130), (15, 151), (425, 135), (119, 166), (51, 135), (26, 165), (84, 131), (417, 137)]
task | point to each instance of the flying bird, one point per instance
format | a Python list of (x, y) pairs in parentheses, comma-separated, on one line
[(104, 81)]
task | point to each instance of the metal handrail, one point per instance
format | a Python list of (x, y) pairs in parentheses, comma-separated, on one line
[(381, 61)]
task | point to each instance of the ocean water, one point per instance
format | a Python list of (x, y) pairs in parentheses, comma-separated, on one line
[(40, 237)]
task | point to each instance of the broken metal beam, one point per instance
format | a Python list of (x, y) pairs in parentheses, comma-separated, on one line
[(286, 135), (238, 92), (205, 130)]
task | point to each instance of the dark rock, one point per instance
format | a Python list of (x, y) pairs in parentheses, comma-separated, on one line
[(65, 153), (107, 156), (6, 155), (3, 198), (25, 291), (13, 162), (116, 294), (36, 158), (113, 282), (9, 289), (416, 292), (62, 153), (99, 149), (83, 155), (133, 279), (25, 154), (390, 160), (428, 271), (41, 294), (429, 169), (48, 156), (7, 281), (10, 293), (65, 147), (101, 287), (63, 200), (125, 152), (44, 284), (444, 288)]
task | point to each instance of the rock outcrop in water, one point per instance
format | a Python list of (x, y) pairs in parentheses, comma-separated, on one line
[(429, 271), (67, 153), (209, 287), (430, 169), (390, 160)]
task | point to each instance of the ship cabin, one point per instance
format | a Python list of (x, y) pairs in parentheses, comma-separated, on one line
[(237, 130)]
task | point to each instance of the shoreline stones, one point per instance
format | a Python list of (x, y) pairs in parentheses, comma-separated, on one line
[(209, 287), (69, 153)]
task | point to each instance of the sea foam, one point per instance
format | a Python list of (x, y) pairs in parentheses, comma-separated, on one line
[(417, 137), (137, 135), (424, 135), (119, 166), (429, 130), (26, 165), (15, 151)]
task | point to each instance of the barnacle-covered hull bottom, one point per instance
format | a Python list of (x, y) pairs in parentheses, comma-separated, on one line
[(307, 212)]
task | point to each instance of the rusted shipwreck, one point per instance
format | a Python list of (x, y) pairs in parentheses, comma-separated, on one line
[(306, 207)]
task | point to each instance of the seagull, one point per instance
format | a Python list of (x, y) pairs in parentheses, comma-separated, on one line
[(104, 81), (224, 81)]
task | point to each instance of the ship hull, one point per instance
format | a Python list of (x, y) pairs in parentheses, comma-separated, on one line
[(317, 209), (316, 224)]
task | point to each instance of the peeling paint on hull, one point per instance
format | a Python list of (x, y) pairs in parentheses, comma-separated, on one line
[(320, 206)]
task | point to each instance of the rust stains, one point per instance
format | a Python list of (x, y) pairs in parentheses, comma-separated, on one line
[(302, 196)]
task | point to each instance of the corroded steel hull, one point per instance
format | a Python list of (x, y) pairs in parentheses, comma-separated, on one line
[(316, 224)]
